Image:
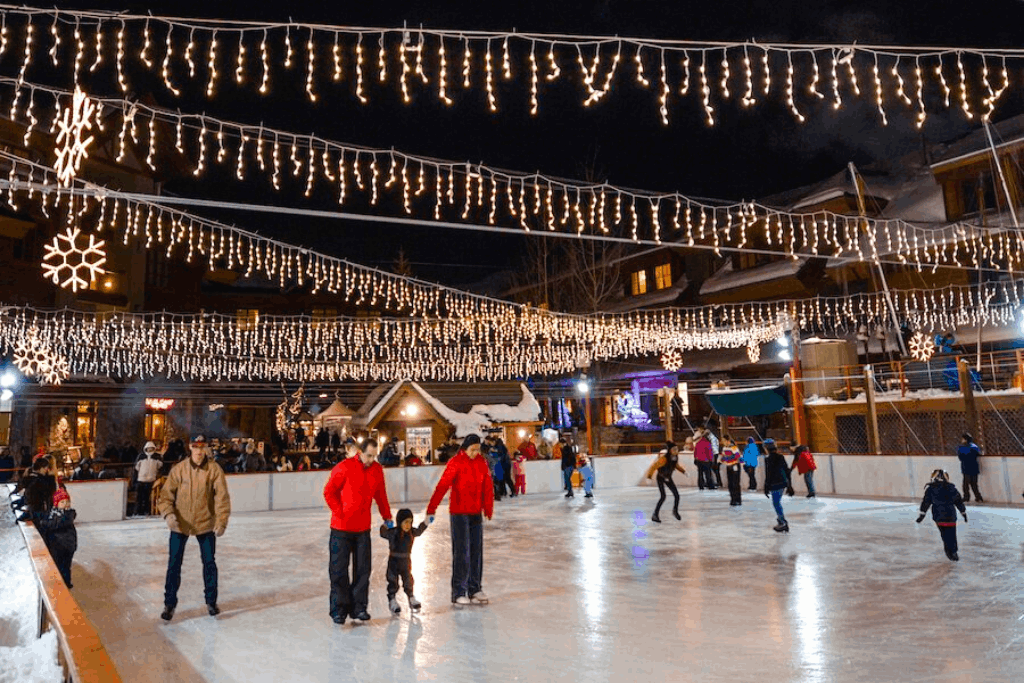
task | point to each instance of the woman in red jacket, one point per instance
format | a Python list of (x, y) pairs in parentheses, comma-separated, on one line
[(469, 478)]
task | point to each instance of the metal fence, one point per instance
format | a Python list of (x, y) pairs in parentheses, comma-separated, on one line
[(932, 432)]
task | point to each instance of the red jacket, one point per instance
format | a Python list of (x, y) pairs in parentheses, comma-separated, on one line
[(350, 490), (703, 451), (471, 485), (804, 463), (528, 450)]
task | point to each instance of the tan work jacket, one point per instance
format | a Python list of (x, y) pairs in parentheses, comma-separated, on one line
[(198, 496)]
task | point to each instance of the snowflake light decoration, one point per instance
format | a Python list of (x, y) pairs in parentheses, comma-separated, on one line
[(71, 263), (753, 352), (34, 358), (922, 347), (72, 147), (672, 360)]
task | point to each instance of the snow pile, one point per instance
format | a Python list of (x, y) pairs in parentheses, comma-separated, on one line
[(481, 416), (918, 395), (25, 658)]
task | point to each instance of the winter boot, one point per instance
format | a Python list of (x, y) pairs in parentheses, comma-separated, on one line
[(393, 606), (168, 613), (782, 527), (656, 518), (414, 604), (676, 513), (213, 609)]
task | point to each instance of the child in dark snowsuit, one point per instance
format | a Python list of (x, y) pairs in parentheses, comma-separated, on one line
[(58, 530), (400, 540), (944, 500)]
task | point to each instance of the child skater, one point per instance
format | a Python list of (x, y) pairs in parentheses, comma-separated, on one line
[(400, 540), (944, 500), (587, 473), (59, 532), (732, 460), (519, 469)]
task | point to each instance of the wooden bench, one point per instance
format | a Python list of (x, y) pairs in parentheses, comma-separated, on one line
[(80, 651)]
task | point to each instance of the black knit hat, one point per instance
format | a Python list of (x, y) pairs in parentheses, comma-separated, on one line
[(403, 514), (471, 440)]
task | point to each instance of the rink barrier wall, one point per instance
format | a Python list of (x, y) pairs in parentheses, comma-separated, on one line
[(868, 476), (80, 651)]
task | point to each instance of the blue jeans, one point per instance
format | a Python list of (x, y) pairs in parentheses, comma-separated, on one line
[(809, 480), (567, 478), (587, 472), (207, 548), (467, 555), (777, 502)]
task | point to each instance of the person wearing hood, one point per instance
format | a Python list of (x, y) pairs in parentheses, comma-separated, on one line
[(469, 479), (147, 469), (750, 455), (354, 484), (776, 481), (400, 538), (58, 530), (194, 501), (944, 500), (665, 466), (968, 453)]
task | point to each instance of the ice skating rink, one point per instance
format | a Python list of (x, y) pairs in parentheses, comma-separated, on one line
[(856, 592)]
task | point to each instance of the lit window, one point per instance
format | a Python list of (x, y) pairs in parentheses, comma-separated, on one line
[(322, 315), (663, 276), (639, 282), (247, 318)]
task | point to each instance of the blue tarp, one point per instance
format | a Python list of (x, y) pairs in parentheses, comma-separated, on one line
[(747, 402)]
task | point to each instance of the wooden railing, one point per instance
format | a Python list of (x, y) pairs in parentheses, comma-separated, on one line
[(80, 652)]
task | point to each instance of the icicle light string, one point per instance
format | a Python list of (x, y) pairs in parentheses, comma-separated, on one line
[(220, 347), (244, 147), (342, 49)]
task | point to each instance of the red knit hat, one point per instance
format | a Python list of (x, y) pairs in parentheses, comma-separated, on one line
[(59, 495)]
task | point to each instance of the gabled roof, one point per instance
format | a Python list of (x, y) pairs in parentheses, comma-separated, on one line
[(335, 410), (1005, 134)]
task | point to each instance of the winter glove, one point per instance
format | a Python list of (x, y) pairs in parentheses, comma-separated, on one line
[(767, 495), (219, 531), (430, 520), (172, 523), (390, 523), (790, 492), (920, 518), (965, 518)]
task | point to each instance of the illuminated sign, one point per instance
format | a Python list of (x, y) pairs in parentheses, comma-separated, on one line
[(159, 403)]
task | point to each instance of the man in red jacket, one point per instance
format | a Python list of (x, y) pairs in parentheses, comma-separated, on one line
[(469, 478), (354, 483)]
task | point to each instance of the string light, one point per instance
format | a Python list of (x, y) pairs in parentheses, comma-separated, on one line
[(878, 93), (212, 64), (310, 67), (490, 80)]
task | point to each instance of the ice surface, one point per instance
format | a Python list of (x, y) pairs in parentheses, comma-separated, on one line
[(588, 591), (23, 657)]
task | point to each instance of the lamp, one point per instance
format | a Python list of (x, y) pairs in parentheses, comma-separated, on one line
[(8, 379), (583, 385)]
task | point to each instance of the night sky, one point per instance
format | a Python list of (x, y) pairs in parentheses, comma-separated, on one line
[(750, 153)]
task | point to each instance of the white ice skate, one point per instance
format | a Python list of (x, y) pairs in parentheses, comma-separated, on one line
[(393, 606), (461, 601), (479, 598), (414, 604)]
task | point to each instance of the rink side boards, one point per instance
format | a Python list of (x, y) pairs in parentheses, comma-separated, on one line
[(80, 651)]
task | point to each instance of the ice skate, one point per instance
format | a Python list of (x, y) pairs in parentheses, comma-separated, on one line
[(414, 604), (340, 620), (167, 614), (362, 616), (461, 600), (393, 606), (675, 513), (213, 609), (479, 598), (782, 527), (656, 518)]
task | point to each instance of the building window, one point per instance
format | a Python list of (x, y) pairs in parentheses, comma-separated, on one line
[(156, 425), (322, 315), (663, 276), (247, 318), (639, 282), (85, 423), (106, 282), (979, 194)]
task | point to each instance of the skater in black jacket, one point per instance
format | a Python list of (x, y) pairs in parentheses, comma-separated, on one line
[(776, 480), (944, 500), (400, 539), (57, 528)]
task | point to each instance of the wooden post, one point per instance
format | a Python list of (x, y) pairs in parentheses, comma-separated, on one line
[(903, 379), (971, 411), (796, 386), (665, 396), (1020, 368), (874, 443)]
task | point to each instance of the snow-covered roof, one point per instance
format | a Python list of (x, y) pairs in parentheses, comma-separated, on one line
[(726, 278), (335, 410), (478, 418)]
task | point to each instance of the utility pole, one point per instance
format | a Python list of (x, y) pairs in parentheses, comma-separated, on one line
[(858, 183)]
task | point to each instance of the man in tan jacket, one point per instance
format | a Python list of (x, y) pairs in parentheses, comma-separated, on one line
[(194, 502)]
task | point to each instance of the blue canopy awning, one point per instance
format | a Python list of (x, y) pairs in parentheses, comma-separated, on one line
[(747, 402)]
